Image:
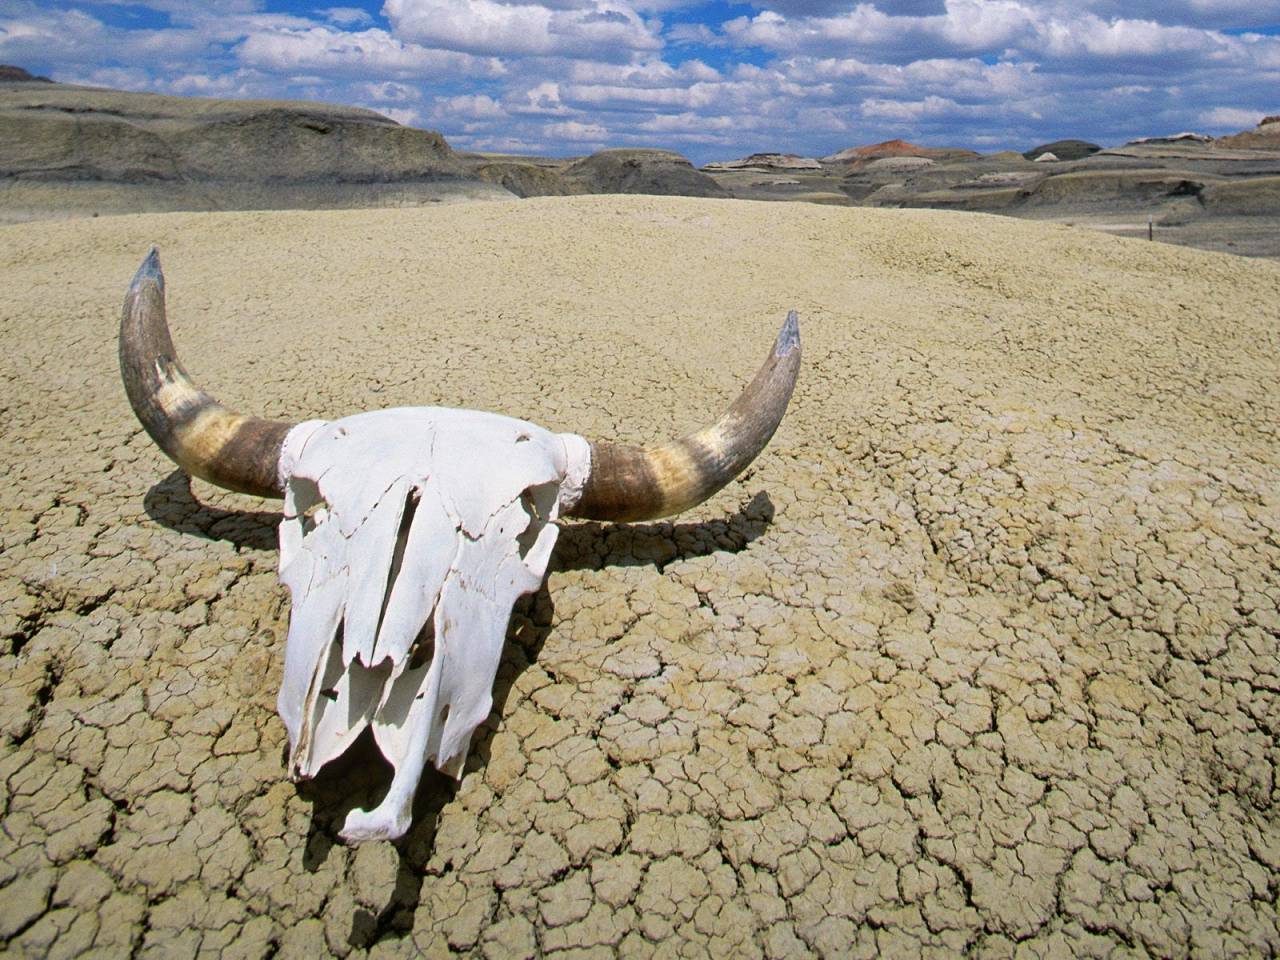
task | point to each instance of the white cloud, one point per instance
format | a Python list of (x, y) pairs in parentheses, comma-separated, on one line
[(601, 28), (805, 76), (344, 53), (1206, 14), (405, 116), (650, 72), (346, 16), (541, 99), (577, 132), (687, 33), (186, 8), (904, 111), (1230, 119), (387, 91), (472, 106)]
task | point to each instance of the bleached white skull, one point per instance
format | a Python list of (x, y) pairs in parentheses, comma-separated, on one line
[(409, 534), (403, 575)]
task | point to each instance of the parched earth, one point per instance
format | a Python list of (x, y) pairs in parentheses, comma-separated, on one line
[(983, 653)]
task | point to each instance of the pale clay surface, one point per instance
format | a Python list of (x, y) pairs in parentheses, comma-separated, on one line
[(981, 653)]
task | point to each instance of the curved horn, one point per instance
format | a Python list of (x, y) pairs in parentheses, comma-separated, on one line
[(633, 483), (198, 433)]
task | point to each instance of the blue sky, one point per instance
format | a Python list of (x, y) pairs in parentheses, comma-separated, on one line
[(711, 80)]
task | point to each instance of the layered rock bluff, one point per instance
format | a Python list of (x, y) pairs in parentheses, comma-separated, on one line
[(76, 149), (660, 172)]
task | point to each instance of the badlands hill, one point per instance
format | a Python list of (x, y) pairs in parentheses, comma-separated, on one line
[(69, 150), (981, 657), (77, 151), (1219, 194)]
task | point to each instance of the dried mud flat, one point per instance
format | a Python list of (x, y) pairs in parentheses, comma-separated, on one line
[(982, 653)]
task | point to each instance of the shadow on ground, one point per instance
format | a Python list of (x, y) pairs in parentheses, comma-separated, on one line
[(171, 504)]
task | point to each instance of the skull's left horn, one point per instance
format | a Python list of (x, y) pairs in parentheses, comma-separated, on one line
[(198, 433), (628, 483)]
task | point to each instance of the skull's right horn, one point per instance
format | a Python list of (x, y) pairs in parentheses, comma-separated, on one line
[(198, 433)]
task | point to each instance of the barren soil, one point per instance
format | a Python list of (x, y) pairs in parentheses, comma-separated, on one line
[(983, 653)]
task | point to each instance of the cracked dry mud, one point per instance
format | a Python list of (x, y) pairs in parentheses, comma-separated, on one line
[(981, 654)]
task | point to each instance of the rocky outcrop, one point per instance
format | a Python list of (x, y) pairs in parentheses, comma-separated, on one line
[(1064, 150), (524, 177), (59, 132), (857, 157), (660, 172), (767, 162), (1186, 136), (72, 149), (1265, 136), (899, 164), (12, 74)]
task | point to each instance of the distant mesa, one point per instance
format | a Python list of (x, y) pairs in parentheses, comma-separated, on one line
[(898, 164), (1010, 156), (12, 74), (767, 162), (629, 170), (624, 170), (1064, 150), (857, 157), (1274, 118), (1186, 137)]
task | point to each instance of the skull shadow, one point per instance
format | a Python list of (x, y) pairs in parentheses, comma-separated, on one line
[(360, 776)]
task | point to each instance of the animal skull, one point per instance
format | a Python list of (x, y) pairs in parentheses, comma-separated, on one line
[(409, 534)]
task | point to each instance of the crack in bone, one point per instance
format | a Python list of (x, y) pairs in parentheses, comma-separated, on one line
[(404, 566)]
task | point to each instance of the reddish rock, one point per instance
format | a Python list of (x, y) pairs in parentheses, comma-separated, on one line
[(857, 157)]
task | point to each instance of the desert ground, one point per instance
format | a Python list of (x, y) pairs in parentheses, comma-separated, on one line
[(982, 654)]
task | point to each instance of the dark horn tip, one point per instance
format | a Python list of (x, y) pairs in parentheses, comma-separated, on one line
[(788, 336), (149, 271)]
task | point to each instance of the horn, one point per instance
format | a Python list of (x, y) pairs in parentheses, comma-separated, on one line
[(198, 433), (632, 483)]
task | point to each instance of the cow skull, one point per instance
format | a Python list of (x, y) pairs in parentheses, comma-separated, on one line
[(408, 535)]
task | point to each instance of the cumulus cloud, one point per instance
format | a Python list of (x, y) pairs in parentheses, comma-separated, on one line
[(1229, 118), (905, 111), (346, 16), (718, 80), (186, 8), (387, 91), (682, 34), (541, 99), (827, 8), (472, 106), (1207, 14), (968, 26), (578, 132), (345, 53), (601, 28)]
